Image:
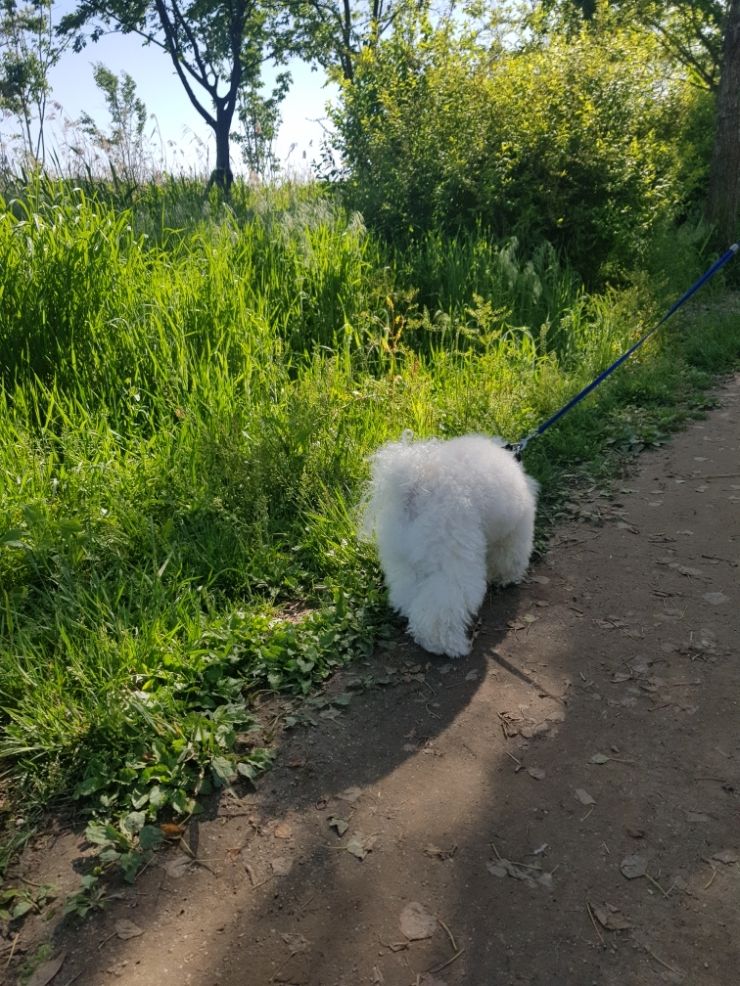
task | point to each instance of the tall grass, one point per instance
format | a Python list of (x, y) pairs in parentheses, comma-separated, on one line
[(189, 393)]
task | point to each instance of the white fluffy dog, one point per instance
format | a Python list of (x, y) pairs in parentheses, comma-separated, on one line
[(449, 517)]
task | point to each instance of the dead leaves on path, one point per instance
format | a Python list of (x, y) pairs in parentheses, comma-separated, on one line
[(46, 972), (531, 874), (340, 825), (610, 917), (416, 922), (359, 845), (634, 866), (434, 852), (126, 929)]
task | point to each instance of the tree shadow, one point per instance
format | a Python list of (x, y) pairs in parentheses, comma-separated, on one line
[(403, 696), (499, 795)]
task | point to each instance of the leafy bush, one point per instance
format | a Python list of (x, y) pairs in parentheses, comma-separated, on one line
[(587, 142)]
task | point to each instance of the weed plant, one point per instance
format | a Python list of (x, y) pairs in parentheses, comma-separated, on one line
[(190, 390)]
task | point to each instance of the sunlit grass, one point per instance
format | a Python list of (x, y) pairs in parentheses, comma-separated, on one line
[(189, 393)]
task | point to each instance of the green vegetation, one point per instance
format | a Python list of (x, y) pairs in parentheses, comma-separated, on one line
[(191, 384), (185, 418), (587, 141)]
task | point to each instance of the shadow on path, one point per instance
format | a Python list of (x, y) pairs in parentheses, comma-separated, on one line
[(560, 808)]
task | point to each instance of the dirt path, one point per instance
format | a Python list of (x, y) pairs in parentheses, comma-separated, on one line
[(560, 808)]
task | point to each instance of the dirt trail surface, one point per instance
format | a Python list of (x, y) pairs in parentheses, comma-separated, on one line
[(560, 808)]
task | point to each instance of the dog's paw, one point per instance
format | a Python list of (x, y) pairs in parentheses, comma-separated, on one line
[(459, 648), (450, 644)]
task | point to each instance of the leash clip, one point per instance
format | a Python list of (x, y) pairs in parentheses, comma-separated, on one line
[(517, 448)]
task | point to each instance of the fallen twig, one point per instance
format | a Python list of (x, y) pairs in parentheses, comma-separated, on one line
[(665, 965), (438, 968), (711, 878), (593, 922), (656, 884), (12, 949), (449, 935), (255, 884), (199, 862)]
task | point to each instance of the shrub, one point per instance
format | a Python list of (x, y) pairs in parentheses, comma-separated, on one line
[(587, 142)]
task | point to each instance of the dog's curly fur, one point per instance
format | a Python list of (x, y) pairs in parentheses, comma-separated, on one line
[(449, 516)]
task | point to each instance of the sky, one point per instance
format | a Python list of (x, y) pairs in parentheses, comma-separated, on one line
[(176, 126)]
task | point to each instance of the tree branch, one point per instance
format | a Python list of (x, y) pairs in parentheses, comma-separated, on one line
[(193, 41), (174, 52)]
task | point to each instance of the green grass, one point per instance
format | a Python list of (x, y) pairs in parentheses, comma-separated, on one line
[(189, 393)]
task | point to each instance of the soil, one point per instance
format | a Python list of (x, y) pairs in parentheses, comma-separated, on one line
[(562, 807)]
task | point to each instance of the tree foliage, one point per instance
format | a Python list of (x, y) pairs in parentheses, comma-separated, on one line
[(585, 142), (123, 144), (689, 31), (29, 49), (217, 48), (259, 116), (333, 33)]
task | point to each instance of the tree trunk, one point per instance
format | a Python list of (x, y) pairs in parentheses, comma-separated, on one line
[(723, 199), (222, 174)]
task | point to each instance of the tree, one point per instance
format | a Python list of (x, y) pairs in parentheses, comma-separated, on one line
[(29, 50), (124, 144), (259, 116), (332, 33), (690, 31), (216, 48), (723, 199)]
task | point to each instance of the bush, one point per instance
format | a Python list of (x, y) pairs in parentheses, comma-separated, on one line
[(586, 142)]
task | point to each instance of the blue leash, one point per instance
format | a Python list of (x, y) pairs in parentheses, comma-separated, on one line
[(518, 447)]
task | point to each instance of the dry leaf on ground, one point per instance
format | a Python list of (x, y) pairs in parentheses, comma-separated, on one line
[(46, 972), (716, 598), (436, 853), (584, 797), (178, 867), (126, 929), (360, 845), (726, 856), (350, 794), (417, 922), (340, 825), (610, 918), (296, 943), (633, 866), (281, 865)]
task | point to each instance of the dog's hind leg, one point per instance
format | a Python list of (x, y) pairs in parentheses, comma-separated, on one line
[(508, 558), (445, 600)]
